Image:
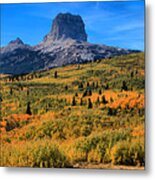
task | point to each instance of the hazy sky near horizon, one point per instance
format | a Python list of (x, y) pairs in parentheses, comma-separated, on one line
[(118, 24)]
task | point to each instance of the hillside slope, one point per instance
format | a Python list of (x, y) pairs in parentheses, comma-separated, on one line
[(88, 115)]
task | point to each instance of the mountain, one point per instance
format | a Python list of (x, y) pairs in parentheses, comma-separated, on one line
[(66, 43), (19, 58), (67, 26)]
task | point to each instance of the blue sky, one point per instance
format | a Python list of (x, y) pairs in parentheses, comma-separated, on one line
[(119, 24)]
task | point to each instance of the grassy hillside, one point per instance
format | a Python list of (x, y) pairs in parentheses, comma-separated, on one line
[(87, 115)]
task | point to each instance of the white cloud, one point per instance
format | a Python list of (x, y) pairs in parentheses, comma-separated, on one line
[(129, 26)]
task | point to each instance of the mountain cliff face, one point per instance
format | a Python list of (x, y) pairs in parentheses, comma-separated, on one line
[(66, 43), (13, 45), (67, 26)]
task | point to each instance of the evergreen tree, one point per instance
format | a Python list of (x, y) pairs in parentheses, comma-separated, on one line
[(21, 88), (11, 91), (66, 87), (55, 74), (90, 105), (111, 99), (98, 100), (124, 86), (1, 99), (73, 101), (96, 85), (28, 110), (100, 92), (81, 102), (80, 86), (132, 74), (107, 86), (88, 84), (110, 113), (76, 94), (93, 85), (28, 92), (46, 108), (89, 92), (84, 94), (104, 101)]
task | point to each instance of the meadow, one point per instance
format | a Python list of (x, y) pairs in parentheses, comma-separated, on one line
[(77, 116)]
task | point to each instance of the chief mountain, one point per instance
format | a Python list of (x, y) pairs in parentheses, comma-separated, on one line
[(66, 43)]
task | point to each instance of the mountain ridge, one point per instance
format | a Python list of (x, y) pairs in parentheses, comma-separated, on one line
[(66, 43)]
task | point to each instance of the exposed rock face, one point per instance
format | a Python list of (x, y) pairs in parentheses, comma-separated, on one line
[(18, 41), (15, 44), (66, 43), (18, 58), (67, 26)]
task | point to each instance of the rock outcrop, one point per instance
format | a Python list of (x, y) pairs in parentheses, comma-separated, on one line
[(67, 26)]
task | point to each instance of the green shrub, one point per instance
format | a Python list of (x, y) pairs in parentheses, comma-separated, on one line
[(33, 154), (127, 153), (48, 156)]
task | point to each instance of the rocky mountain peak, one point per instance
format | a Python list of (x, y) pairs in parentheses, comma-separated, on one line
[(17, 41), (13, 45), (67, 26), (66, 43)]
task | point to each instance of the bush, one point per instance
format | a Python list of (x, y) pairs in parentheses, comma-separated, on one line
[(96, 148), (48, 156), (127, 153), (34, 154), (111, 111), (94, 156)]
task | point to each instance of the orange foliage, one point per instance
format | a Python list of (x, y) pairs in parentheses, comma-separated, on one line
[(138, 131), (125, 100), (20, 117), (3, 123)]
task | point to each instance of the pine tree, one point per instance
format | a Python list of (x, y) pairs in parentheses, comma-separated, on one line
[(1, 99), (110, 113), (89, 92), (81, 102), (107, 86), (85, 93), (46, 108), (80, 86), (96, 85), (73, 101), (93, 85), (88, 84), (98, 100), (66, 87), (90, 105), (28, 110), (104, 101), (11, 91), (132, 74), (111, 99), (28, 92), (55, 74), (100, 92), (124, 86)]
